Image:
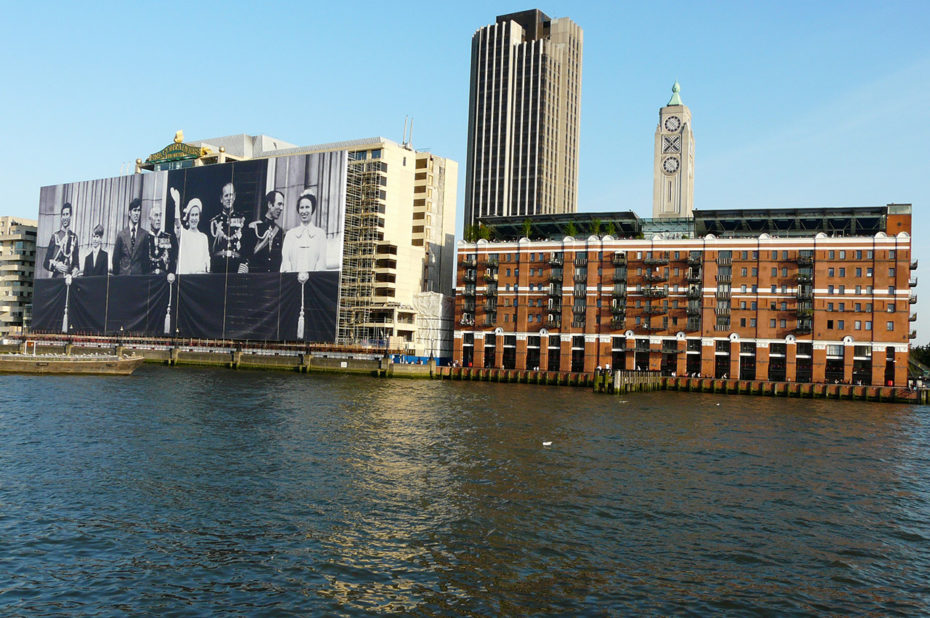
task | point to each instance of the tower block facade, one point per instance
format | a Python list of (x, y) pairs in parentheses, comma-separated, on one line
[(673, 165)]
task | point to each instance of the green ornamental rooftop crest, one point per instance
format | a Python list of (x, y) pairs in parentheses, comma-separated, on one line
[(174, 152)]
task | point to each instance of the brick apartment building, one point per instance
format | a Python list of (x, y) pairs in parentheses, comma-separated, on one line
[(801, 295)]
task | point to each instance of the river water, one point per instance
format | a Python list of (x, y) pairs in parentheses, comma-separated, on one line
[(205, 491)]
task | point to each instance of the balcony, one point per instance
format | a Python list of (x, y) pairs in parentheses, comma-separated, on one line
[(619, 259), (805, 313), (724, 261), (912, 299), (554, 307), (723, 294), (804, 327), (652, 327), (581, 260), (555, 275), (490, 291), (467, 320), (619, 274), (652, 292), (617, 322), (694, 260), (694, 275), (695, 292), (490, 319), (468, 307), (490, 307), (693, 325), (914, 265), (694, 309), (913, 318), (491, 262), (578, 324), (724, 278), (618, 291), (490, 276), (555, 260), (722, 310), (469, 290), (912, 334), (804, 260), (656, 276), (912, 282), (618, 309), (803, 278), (555, 290), (576, 309), (470, 276), (469, 261), (655, 261), (805, 292), (580, 277), (655, 309)]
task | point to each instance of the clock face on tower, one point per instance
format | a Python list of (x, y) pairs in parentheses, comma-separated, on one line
[(672, 123), (670, 165)]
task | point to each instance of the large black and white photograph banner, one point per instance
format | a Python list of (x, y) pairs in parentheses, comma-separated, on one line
[(244, 250)]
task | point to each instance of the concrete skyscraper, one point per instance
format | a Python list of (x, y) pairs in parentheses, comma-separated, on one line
[(524, 115)]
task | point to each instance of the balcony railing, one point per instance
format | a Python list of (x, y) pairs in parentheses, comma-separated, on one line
[(618, 291), (491, 290), (617, 322), (804, 260), (694, 275), (914, 265), (652, 327), (467, 320), (724, 261), (724, 278), (693, 325), (555, 261), (619, 274), (581, 260), (804, 278), (490, 307), (580, 276), (694, 310), (912, 335), (555, 290), (554, 307), (619, 259), (695, 292), (469, 290), (723, 293), (555, 275), (490, 276), (618, 309), (912, 282), (655, 261), (913, 318), (804, 326), (805, 292), (912, 299), (578, 309), (651, 292), (492, 262), (805, 313), (470, 276), (722, 310), (694, 260), (655, 277), (469, 261)]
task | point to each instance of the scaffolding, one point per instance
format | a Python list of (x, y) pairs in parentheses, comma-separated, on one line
[(364, 204)]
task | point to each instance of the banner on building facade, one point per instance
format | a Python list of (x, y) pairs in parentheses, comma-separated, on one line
[(244, 250)]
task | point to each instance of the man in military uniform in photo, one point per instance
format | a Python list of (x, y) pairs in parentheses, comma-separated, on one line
[(129, 252), (226, 232), (262, 239), (160, 250), (62, 256)]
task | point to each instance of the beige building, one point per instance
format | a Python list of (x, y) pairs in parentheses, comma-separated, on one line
[(17, 265), (673, 164), (399, 249), (524, 117)]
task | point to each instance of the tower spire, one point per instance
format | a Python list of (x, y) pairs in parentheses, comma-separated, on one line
[(676, 99)]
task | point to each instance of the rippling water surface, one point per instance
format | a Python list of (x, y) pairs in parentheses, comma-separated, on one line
[(196, 491)]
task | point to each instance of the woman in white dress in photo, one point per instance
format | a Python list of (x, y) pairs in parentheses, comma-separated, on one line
[(305, 244), (193, 249)]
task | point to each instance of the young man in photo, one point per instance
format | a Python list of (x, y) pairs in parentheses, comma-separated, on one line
[(129, 257), (262, 239), (62, 256), (97, 262)]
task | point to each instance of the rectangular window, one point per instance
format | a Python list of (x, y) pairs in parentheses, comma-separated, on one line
[(889, 326), (829, 306), (830, 324), (891, 254), (859, 270), (891, 272), (774, 271), (783, 323), (784, 271), (774, 255), (784, 306), (890, 307), (743, 271), (752, 305), (842, 306), (858, 254), (755, 272), (829, 289), (842, 272), (868, 325), (752, 322), (858, 325), (773, 288), (841, 324), (842, 289), (832, 254), (772, 323), (742, 322), (842, 254), (831, 272), (742, 288)]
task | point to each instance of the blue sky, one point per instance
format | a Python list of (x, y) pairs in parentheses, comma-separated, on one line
[(794, 103)]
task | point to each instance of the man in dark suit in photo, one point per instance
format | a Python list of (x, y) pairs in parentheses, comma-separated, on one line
[(96, 263), (129, 252)]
